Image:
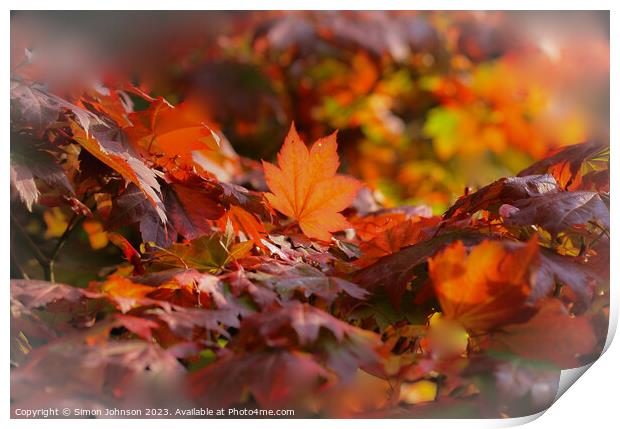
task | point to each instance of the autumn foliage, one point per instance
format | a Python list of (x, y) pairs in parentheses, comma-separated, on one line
[(155, 267)]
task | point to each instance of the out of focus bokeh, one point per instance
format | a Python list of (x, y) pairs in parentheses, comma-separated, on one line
[(427, 104)]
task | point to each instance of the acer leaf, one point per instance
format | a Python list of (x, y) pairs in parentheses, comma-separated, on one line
[(486, 287), (190, 209), (503, 191), (26, 328), (305, 187), (551, 335), (31, 108), (345, 348), (124, 292), (34, 109), (250, 201), (138, 325), (184, 321), (39, 293), (306, 321), (308, 280), (176, 286), (30, 161), (595, 181), (560, 211), (224, 297), (391, 240), (22, 179), (114, 372), (392, 273), (372, 224), (109, 146), (131, 207), (131, 254), (207, 253), (244, 222), (580, 277), (181, 295), (262, 296), (275, 379), (175, 131), (567, 164), (553, 270), (189, 212)]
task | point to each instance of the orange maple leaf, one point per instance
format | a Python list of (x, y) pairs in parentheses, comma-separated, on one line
[(304, 186), (174, 131), (246, 222), (391, 240), (486, 288)]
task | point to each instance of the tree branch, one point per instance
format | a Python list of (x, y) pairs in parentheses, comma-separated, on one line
[(75, 221)]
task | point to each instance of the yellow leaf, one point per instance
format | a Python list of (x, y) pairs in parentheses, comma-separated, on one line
[(56, 222), (418, 392), (97, 237)]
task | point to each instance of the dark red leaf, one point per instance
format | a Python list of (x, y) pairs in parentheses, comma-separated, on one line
[(287, 279), (39, 293), (29, 162), (566, 163), (560, 211), (190, 209), (503, 191), (551, 335), (393, 272), (275, 379), (133, 207)]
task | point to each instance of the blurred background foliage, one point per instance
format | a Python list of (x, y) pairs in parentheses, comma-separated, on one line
[(427, 104)]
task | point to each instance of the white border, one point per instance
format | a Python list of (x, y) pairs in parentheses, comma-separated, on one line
[(592, 401)]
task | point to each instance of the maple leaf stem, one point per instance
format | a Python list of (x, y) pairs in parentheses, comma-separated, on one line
[(75, 221), (598, 238), (604, 231), (557, 290)]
